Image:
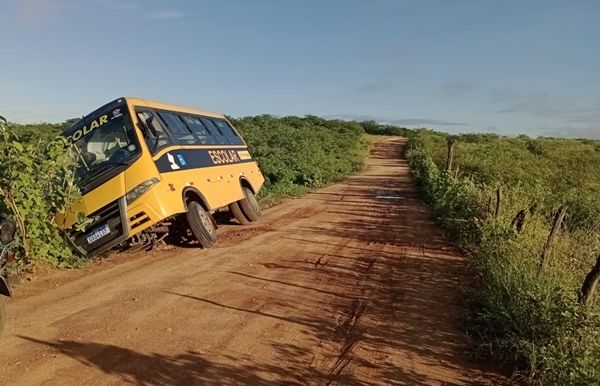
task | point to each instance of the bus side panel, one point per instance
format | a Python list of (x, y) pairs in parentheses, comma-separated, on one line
[(220, 185), (255, 178)]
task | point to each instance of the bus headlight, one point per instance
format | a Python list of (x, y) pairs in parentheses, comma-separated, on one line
[(142, 188)]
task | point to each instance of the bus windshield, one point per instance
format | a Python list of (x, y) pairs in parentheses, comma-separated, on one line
[(105, 151)]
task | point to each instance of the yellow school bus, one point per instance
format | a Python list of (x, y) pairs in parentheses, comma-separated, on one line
[(147, 169)]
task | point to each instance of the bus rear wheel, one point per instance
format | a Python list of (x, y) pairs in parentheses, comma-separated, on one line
[(237, 213), (2, 316), (249, 205), (201, 224)]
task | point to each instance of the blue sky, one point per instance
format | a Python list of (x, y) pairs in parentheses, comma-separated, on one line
[(510, 67)]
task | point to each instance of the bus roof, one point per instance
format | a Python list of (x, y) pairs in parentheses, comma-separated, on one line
[(166, 106), (134, 102), (119, 102)]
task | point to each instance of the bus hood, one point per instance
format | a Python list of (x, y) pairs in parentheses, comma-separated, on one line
[(93, 200)]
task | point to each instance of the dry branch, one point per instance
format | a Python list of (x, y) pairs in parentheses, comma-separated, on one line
[(450, 159), (498, 203), (558, 218)]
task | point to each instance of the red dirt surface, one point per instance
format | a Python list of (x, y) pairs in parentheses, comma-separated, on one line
[(348, 285)]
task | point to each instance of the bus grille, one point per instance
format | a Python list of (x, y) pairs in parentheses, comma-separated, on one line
[(109, 215)]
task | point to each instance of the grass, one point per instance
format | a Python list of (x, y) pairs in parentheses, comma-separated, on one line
[(519, 315)]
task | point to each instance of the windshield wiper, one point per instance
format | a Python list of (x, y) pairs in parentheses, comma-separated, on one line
[(118, 163)]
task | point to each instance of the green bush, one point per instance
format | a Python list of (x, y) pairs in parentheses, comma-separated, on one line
[(374, 128), (36, 181), (298, 153), (518, 314), (33, 132)]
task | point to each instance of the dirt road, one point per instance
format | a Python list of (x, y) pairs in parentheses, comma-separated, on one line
[(349, 285)]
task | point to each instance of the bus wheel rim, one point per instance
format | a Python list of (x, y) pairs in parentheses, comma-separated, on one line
[(206, 221)]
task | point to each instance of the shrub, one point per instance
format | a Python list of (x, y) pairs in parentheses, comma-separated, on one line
[(374, 128), (297, 153), (518, 314), (36, 181)]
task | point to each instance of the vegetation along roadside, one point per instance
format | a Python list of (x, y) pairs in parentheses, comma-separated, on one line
[(528, 213)]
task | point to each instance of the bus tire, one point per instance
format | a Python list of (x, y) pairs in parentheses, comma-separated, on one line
[(249, 205), (237, 213), (201, 224), (2, 316)]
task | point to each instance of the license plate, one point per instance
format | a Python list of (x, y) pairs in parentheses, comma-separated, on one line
[(97, 233)]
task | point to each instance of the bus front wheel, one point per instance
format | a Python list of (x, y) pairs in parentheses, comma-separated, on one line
[(249, 205), (201, 224)]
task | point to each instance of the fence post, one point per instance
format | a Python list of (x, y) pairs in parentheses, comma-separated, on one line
[(498, 202), (558, 218), (519, 220), (450, 159), (589, 284)]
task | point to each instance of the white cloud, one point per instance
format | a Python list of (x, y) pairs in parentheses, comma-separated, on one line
[(580, 117)]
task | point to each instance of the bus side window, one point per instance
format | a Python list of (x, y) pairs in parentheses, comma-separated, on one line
[(221, 139), (228, 131), (178, 128), (196, 125), (154, 144)]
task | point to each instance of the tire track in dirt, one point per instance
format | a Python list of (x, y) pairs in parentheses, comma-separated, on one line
[(349, 285)]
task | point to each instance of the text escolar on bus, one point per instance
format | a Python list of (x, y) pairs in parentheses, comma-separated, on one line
[(149, 170)]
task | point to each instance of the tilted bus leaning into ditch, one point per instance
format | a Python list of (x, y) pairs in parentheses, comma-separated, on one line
[(148, 168)]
